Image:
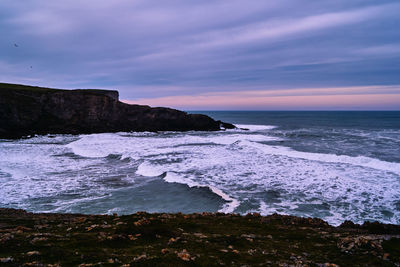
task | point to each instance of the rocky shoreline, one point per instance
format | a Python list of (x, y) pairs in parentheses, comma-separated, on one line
[(28, 110), (206, 239)]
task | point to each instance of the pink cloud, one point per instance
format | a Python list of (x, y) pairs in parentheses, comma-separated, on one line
[(345, 98)]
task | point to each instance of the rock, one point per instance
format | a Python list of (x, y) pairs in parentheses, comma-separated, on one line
[(23, 229), (347, 224), (200, 235), (131, 237), (34, 263), (38, 239), (141, 257), (372, 242), (80, 220), (6, 237), (32, 253), (184, 255), (173, 240), (251, 251), (28, 110), (143, 221), (5, 260), (42, 226)]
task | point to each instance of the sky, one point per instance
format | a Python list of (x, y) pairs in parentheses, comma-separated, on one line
[(210, 54)]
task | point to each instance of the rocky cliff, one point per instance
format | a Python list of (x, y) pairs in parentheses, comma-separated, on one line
[(28, 110)]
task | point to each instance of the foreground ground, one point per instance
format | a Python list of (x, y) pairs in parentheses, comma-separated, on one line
[(207, 239)]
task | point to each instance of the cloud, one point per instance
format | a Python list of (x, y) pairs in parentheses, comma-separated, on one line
[(152, 49), (342, 98), (388, 49), (270, 30)]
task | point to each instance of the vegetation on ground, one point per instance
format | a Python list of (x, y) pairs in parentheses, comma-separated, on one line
[(206, 239)]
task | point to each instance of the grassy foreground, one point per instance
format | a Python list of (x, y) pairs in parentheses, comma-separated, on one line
[(207, 239)]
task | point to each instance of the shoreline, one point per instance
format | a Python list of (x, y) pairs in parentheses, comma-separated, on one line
[(200, 239)]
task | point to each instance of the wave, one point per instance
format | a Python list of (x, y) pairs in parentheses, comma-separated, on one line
[(238, 166), (252, 127), (227, 208), (329, 158), (103, 145), (148, 170)]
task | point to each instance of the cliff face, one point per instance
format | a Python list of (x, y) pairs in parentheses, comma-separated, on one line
[(26, 110)]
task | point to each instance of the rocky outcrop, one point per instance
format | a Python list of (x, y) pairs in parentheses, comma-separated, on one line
[(28, 110)]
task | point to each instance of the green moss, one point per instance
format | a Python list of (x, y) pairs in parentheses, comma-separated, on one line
[(187, 240), (28, 88)]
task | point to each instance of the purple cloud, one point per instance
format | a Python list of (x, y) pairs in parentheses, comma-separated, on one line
[(155, 49)]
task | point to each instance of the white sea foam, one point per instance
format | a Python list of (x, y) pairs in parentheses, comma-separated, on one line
[(331, 158), (146, 169), (240, 161), (102, 145), (232, 203), (93, 146), (41, 168), (252, 127), (237, 165)]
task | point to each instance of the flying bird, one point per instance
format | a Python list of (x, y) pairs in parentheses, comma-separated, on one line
[(15, 45)]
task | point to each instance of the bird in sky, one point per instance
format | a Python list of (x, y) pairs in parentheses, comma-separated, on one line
[(15, 45)]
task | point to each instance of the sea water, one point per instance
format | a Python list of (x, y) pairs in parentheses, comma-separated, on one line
[(332, 165)]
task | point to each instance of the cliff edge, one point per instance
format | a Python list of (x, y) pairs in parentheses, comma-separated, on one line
[(28, 110)]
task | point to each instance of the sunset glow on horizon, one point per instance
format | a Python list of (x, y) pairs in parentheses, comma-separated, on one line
[(347, 98)]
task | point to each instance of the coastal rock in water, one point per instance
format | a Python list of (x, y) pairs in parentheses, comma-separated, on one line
[(28, 110)]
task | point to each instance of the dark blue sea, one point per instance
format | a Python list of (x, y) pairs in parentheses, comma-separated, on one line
[(332, 165)]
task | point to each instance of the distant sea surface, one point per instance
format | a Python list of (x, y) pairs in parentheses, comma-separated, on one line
[(332, 165)]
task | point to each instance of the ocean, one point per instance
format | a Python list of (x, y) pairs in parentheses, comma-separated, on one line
[(336, 166)]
